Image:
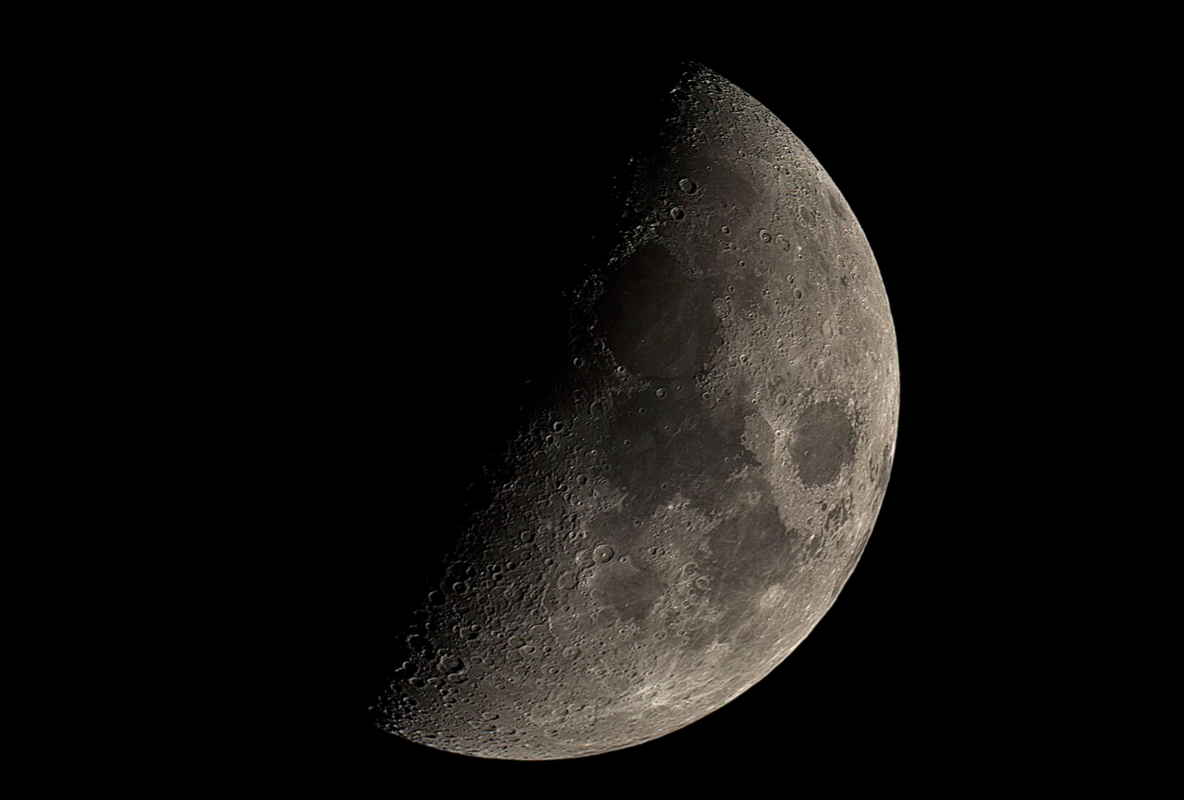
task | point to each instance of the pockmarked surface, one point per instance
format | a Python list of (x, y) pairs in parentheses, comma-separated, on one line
[(700, 484)]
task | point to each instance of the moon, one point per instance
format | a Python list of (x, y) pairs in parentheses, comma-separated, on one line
[(699, 481)]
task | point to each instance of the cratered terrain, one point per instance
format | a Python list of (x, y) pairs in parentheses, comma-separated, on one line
[(697, 480)]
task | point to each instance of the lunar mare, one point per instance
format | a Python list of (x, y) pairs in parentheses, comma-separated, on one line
[(704, 477)]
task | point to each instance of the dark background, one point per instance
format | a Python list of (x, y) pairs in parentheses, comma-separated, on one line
[(433, 212)]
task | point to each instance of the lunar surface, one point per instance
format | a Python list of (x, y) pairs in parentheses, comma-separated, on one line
[(699, 485)]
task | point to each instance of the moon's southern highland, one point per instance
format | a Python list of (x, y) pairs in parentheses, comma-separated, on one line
[(693, 496)]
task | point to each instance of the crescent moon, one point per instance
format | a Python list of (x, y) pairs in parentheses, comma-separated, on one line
[(693, 494)]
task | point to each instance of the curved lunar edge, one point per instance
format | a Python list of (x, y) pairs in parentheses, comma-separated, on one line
[(690, 502)]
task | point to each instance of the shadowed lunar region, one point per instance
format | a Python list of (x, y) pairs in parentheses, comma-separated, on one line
[(691, 498)]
